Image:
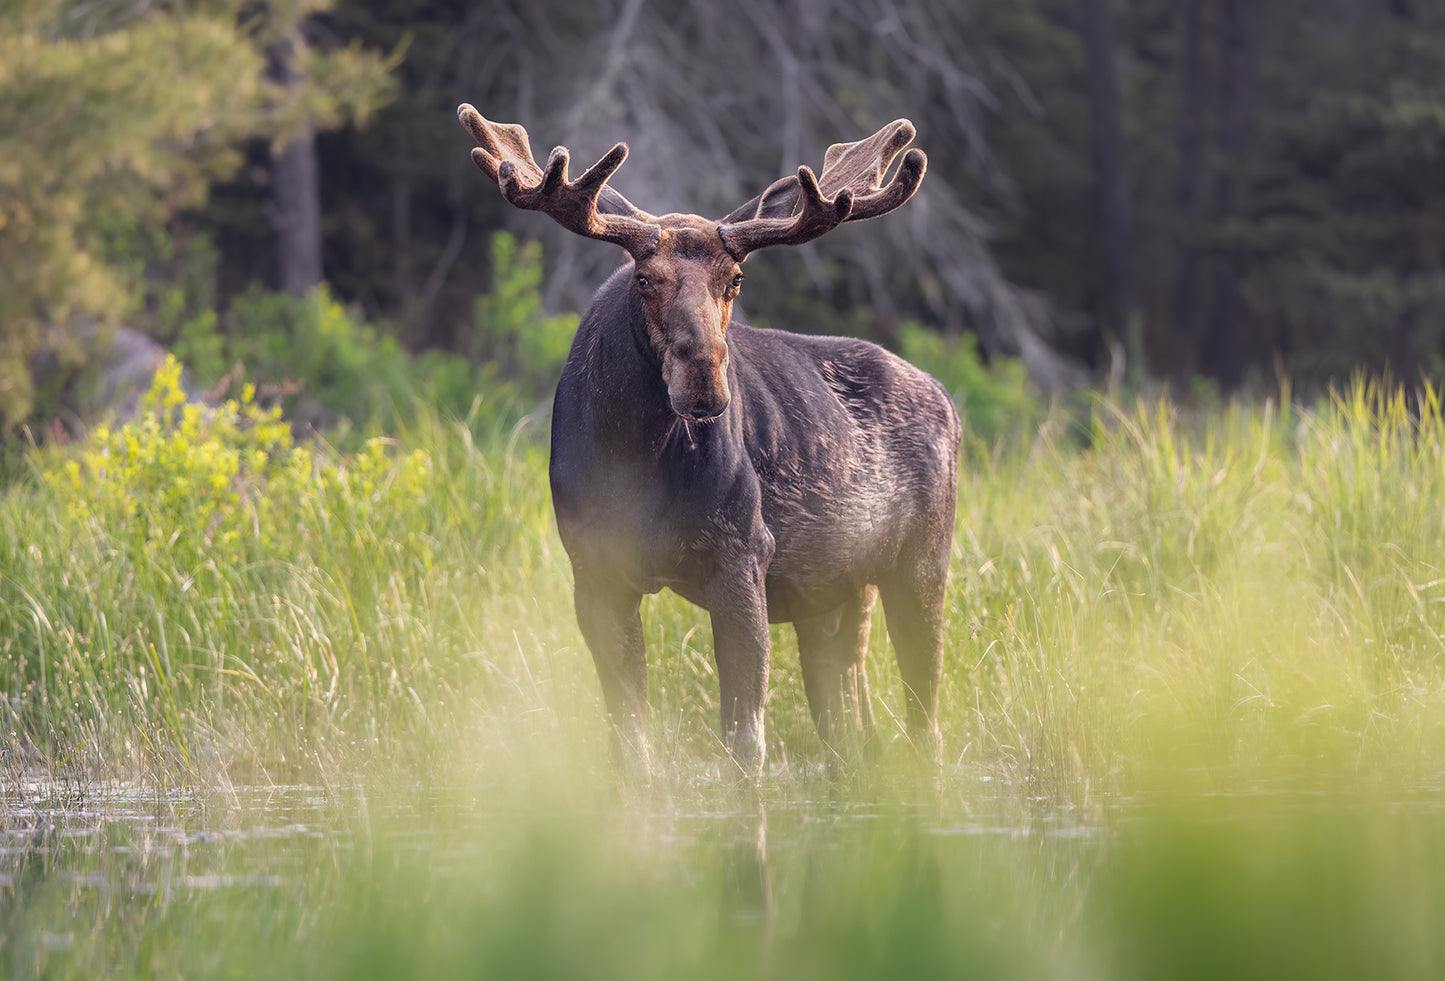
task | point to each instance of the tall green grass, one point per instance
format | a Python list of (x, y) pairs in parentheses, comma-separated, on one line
[(1250, 595), (1243, 597), (1193, 717)]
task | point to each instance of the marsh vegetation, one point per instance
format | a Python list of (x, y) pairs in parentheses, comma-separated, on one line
[(276, 707)]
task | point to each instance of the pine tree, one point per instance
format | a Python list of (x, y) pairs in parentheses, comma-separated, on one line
[(111, 122)]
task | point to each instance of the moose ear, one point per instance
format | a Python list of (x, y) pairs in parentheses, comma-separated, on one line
[(780, 200)]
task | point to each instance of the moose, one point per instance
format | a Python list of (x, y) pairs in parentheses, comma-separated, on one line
[(765, 476)]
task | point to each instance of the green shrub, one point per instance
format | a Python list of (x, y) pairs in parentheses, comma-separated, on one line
[(329, 367), (527, 346), (326, 362), (995, 399), (195, 484)]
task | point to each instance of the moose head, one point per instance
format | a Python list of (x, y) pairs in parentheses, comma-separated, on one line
[(688, 270)]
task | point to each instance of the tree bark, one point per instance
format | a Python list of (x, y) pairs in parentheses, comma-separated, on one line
[(1405, 9), (295, 190), (1111, 199), (1226, 347), (1193, 175)]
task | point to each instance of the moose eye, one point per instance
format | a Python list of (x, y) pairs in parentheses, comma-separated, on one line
[(643, 283)]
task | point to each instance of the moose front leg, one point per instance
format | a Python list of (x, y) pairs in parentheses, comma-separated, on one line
[(611, 624), (739, 608)]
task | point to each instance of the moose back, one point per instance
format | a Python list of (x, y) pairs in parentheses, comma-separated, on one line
[(763, 475)]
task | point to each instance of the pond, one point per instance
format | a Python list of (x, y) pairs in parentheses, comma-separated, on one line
[(795, 877)]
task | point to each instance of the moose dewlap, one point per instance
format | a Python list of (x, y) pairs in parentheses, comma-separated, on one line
[(763, 475)]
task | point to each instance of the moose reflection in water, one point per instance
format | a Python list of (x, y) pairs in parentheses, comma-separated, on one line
[(763, 475)]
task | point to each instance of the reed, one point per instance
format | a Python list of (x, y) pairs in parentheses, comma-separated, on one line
[(1194, 705)]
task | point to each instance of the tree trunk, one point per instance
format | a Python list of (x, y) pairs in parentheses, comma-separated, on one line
[(1193, 177), (295, 190), (1111, 199), (1226, 350), (1405, 9)]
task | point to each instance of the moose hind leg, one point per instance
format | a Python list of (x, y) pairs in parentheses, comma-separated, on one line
[(611, 623), (832, 648), (914, 604)]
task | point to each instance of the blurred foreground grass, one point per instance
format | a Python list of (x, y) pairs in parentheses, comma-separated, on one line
[(448, 883), (1193, 716)]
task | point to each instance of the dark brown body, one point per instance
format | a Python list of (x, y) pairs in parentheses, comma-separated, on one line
[(830, 476)]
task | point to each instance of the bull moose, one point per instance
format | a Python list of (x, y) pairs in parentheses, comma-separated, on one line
[(763, 475)]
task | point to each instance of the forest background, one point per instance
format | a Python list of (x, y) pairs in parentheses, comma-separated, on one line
[(1210, 193)]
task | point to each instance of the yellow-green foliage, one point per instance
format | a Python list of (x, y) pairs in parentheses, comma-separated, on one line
[(346, 376), (1249, 595), (222, 484), (1193, 718), (195, 569)]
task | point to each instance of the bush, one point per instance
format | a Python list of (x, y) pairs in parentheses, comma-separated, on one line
[(330, 368), (995, 399), (197, 484), (527, 346)]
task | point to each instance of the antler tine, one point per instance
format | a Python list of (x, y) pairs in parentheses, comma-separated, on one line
[(896, 193), (817, 217), (852, 175), (504, 154)]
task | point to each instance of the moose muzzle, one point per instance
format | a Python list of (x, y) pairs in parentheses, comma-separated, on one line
[(697, 387)]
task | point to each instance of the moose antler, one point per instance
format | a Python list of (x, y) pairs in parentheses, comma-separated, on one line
[(849, 189), (585, 206)]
